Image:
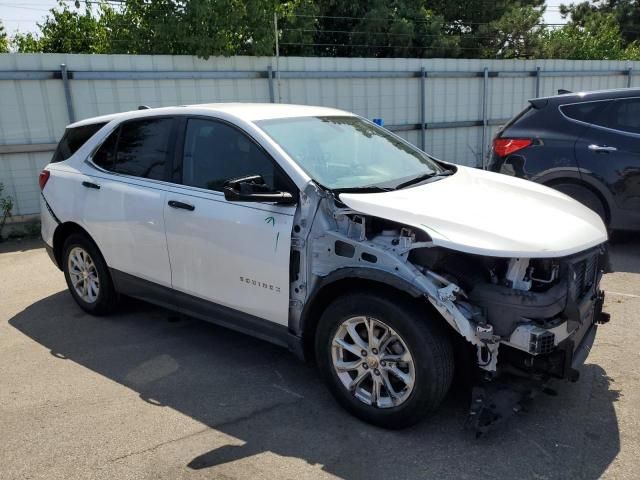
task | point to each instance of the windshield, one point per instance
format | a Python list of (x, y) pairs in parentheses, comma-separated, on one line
[(343, 153)]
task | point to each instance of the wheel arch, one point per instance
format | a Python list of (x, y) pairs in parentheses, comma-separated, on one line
[(62, 232), (342, 282), (586, 185)]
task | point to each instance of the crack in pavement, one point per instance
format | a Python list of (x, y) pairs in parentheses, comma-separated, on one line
[(217, 426)]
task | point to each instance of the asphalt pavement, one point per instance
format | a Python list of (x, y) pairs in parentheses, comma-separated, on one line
[(147, 394)]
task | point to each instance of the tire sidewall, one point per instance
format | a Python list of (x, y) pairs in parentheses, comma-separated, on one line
[(401, 317)]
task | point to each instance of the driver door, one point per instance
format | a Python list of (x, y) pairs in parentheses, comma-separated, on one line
[(235, 254)]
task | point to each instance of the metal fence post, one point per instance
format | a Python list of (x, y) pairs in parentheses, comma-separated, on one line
[(423, 108), (629, 75), (485, 86), (275, 28), (272, 97), (67, 92), (537, 82)]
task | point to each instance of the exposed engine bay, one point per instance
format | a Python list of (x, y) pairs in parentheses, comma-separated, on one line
[(533, 319)]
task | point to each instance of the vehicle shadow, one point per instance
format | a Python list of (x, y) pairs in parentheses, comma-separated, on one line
[(263, 396), (20, 244), (624, 250)]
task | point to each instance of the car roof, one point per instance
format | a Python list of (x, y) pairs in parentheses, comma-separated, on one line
[(588, 96), (251, 112)]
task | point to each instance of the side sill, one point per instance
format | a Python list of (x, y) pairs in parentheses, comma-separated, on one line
[(202, 309)]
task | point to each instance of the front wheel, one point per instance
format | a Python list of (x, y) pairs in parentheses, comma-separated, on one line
[(386, 360)]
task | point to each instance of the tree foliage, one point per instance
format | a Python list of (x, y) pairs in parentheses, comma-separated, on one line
[(597, 36), (516, 34), (4, 40), (625, 12), (66, 29), (606, 29)]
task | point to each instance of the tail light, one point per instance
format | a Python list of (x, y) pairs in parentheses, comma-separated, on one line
[(506, 146), (43, 178)]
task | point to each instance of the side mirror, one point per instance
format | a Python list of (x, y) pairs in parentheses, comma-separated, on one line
[(253, 189)]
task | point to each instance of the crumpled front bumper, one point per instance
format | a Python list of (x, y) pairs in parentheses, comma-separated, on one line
[(585, 337)]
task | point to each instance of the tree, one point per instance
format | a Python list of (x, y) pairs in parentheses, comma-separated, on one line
[(474, 22), (372, 28), (380, 28), (517, 34), (67, 30), (195, 27), (625, 12), (4, 40), (597, 36)]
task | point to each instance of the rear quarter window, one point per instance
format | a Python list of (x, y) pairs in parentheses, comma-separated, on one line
[(583, 112), (73, 139)]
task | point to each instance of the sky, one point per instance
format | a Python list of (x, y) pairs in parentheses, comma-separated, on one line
[(22, 15)]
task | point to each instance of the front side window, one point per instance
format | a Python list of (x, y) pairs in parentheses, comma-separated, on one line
[(215, 152), (139, 148), (343, 152)]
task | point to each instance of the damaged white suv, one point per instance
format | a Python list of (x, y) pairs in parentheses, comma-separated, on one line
[(321, 231)]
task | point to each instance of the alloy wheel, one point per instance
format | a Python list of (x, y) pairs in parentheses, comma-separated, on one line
[(373, 362), (83, 274)]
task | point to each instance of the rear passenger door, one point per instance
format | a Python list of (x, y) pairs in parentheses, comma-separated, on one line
[(123, 197), (610, 151), (234, 254)]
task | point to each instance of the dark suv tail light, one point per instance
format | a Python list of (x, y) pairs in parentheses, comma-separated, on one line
[(43, 178), (506, 146)]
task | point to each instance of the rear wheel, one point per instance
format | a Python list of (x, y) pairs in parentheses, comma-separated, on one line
[(584, 196), (385, 360), (87, 275)]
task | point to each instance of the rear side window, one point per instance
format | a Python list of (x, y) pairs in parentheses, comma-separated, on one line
[(73, 139), (622, 115), (106, 154), (140, 148), (584, 112)]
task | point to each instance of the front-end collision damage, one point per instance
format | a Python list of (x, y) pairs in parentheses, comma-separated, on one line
[(339, 238), (540, 313)]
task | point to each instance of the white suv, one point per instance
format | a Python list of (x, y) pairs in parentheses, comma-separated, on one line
[(318, 230)]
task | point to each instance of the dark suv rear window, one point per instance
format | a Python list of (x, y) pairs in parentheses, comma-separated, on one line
[(73, 139), (583, 112)]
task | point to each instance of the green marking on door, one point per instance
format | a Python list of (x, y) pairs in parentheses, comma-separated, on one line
[(270, 220)]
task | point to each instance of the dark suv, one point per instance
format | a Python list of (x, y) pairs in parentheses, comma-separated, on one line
[(586, 145)]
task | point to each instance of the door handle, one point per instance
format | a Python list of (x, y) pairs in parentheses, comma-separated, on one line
[(91, 185), (182, 205), (601, 148)]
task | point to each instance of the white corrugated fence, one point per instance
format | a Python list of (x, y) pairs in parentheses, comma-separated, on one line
[(450, 107)]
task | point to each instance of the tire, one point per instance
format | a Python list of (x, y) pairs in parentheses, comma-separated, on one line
[(83, 264), (585, 197), (428, 344)]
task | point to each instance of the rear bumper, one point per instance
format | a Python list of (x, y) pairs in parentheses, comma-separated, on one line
[(49, 222)]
